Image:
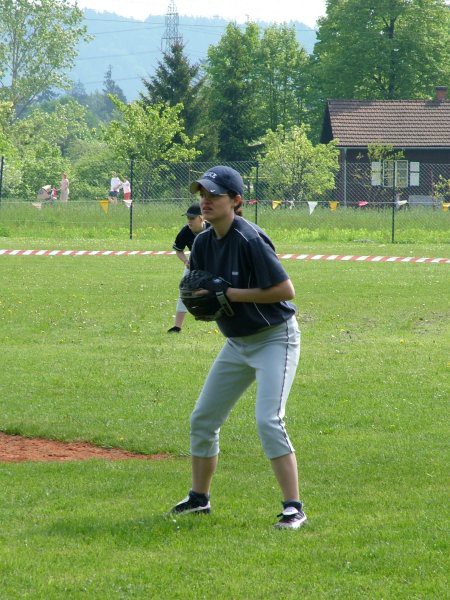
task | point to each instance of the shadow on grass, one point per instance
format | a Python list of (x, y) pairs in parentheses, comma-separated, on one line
[(142, 532)]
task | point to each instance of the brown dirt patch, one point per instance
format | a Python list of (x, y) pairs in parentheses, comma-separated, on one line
[(15, 448)]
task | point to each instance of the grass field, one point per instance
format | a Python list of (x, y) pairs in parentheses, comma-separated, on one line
[(85, 356), (87, 221)]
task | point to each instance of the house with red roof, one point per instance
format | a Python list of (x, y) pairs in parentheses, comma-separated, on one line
[(418, 132)]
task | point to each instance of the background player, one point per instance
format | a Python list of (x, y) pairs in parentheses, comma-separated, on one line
[(185, 239)]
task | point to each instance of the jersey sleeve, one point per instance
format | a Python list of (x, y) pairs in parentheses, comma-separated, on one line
[(180, 242), (267, 269)]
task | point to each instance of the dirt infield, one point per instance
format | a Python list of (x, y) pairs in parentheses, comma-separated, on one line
[(14, 448)]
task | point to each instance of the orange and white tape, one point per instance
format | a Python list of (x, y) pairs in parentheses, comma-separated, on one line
[(324, 257)]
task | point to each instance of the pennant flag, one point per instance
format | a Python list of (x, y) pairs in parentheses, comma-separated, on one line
[(445, 206), (400, 203), (105, 205), (276, 204), (127, 203), (37, 205), (333, 204), (252, 202), (312, 206), (362, 203)]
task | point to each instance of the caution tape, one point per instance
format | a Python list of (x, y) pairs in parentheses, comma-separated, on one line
[(321, 257)]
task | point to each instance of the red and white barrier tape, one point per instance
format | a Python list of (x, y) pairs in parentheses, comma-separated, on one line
[(325, 257)]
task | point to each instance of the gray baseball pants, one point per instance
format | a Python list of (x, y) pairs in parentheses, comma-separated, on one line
[(270, 357)]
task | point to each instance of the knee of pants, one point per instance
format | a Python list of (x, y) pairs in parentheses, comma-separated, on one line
[(204, 436), (274, 438)]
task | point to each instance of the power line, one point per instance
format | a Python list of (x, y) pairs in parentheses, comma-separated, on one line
[(115, 79), (118, 55), (180, 25)]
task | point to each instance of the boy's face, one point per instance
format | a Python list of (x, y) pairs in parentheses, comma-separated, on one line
[(195, 224)]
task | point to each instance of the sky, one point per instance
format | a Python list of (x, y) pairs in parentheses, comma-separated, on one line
[(306, 11)]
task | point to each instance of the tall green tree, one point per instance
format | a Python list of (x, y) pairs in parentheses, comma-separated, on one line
[(383, 49), (149, 133), (5, 133), (282, 71), (110, 87), (38, 40), (176, 81), (233, 92)]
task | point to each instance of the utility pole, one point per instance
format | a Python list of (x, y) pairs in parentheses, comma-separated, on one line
[(171, 35)]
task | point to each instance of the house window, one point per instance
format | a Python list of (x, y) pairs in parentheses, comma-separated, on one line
[(414, 173), (376, 172), (400, 169), (382, 173)]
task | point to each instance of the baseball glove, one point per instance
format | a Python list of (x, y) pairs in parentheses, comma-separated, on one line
[(210, 306)]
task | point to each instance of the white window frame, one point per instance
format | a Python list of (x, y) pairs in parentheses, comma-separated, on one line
[(414, 173), (400, 167)]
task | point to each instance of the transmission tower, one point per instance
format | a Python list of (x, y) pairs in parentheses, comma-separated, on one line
[(171, 35)]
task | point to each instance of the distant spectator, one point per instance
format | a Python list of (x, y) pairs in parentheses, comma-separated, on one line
[(114, 188), (126, 186), (64, 188)]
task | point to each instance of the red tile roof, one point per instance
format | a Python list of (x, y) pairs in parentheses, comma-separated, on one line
[(402, 123)]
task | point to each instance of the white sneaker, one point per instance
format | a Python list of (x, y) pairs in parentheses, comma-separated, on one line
[(291, 518)]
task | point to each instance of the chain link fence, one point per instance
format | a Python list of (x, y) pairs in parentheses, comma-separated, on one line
[(385, 202)]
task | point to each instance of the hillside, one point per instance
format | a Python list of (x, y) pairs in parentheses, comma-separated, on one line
[(133, 48)]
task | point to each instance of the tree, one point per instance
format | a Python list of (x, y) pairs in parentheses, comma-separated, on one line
[(294, 168), (282, 65), (233, 92), (149, 133), (60, 125), (5, 137), (78, 91), (41, 144), (383, 49), (176, 81), (110, 87), (38, 42)]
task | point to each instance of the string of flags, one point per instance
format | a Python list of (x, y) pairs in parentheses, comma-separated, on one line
[(104, 204), (400, 203), (333, 204), (312, 205)]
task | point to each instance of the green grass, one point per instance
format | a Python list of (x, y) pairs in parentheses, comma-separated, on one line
[(87, 221), (85, 356)]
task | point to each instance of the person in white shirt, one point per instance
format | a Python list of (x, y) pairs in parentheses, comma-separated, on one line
[(126, 186), (114, 188)]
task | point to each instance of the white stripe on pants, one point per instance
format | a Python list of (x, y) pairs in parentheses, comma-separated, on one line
[(270, 357)]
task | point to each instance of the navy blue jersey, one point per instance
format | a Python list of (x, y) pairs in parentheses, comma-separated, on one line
[(246, 258), (185, 238)]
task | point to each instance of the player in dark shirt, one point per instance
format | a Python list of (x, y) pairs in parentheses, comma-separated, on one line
[(262, 343), (185, 238)]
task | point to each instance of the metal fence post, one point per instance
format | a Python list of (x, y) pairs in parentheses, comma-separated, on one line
[(131, 219), (1, 176), (256, 192), (131, 197), (393, 201)]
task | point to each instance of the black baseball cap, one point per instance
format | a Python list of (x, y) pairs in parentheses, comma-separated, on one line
[(193, 211), (219, 180)]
